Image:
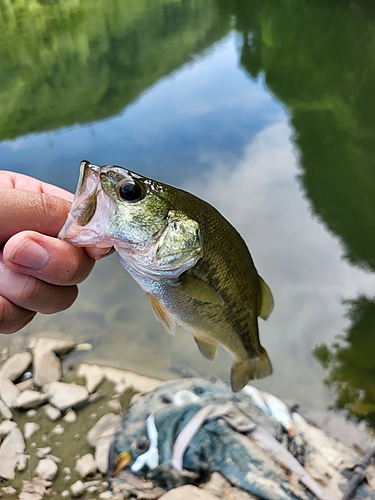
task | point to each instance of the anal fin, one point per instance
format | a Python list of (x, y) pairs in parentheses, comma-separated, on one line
[(206, 347), (162, 314), (250, 369)]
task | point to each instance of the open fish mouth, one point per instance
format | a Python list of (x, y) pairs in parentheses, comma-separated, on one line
[(85, 201)]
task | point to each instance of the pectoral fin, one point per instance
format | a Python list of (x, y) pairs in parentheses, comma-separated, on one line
[(250, 369), (162, 315), (266, 299), (199, 289), (207, 348)]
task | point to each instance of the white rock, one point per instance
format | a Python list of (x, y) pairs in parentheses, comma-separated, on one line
[(86, 465), (47, 469), (5, 411), (52, 412), (29, 496), (15, 366), (93, 375), (11, 450), (46, 363), (108, 495), (120, 387), (43, 452), (57, 346), (30, 428), (92, 489), (6, 426), (57, 460), (8, 391), (65, 396), (36, 486), (9, 490), (188, 491), (29, 399), (104, 427), (26, 384), (31, 413), (58, 429), (77, 489), (70, 417), (22, 462), (139, 382), (67, 470), (65, 494), (102, 453), (47, 367)]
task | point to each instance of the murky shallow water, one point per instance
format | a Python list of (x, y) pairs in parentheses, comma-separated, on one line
[(184, 92)]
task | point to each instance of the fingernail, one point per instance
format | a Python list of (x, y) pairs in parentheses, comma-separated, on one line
[(30, 254)]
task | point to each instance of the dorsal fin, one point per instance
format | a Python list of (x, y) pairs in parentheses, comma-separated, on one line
[(266, 299)]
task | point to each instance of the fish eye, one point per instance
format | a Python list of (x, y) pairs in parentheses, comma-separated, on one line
[(131, 191)]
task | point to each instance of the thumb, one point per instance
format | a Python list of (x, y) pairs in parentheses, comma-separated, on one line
[(27, 210)]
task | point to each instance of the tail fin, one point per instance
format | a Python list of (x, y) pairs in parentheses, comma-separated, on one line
[(247, 370)]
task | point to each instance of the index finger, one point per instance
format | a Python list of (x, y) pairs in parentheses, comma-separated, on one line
[(12, 180), (35, 211)]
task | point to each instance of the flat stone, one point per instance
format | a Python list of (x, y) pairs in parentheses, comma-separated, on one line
[(43, 452), (29, 496), (46, 363), (57, 346), (15, 366), (26, 384), (36, 485), (189, 491), (65, 396), (6, 426), (30, 428), (77, 489), (86, 465), (9, 490), (47, 469), (102, 453), (70, 417), (5, 411), (11, 449), (29, 399), (52, 413), (104, 427), (58, 429), (93, 375), (139, 382), (22, 462), (8, 391)]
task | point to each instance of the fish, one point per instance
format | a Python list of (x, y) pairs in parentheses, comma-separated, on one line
[(192, 263)]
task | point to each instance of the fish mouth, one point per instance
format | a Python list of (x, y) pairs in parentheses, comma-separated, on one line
[(84, 203)]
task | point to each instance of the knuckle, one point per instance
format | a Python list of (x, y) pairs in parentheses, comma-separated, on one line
[(13, 318), (28, 289)]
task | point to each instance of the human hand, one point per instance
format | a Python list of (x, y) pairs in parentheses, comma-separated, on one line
[(38, 272)]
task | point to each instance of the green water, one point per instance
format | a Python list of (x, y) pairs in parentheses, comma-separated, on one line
[(266, 109)]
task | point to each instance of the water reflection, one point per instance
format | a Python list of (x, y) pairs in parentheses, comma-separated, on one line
[(195, 106), (350, 362)]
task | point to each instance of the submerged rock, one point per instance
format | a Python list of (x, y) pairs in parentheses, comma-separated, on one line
[(15, 366), (47, 469), (11, 450), (86, 465), (65, 396), (46, 362), (93, 375)]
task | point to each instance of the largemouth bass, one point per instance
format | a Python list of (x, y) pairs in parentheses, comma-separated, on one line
[(193, 265)]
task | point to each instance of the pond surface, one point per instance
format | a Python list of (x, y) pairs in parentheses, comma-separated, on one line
[(264, 109)]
